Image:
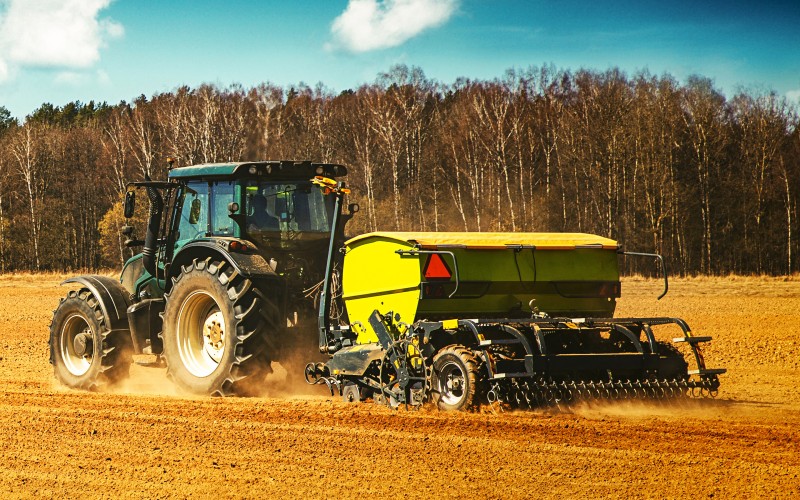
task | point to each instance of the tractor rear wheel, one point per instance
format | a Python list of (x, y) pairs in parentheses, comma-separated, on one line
[(455, 378), (83, 352), (214, 332)]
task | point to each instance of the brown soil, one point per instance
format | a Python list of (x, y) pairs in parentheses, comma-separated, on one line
[(145, 441)]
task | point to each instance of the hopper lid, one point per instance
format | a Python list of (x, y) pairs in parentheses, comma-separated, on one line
[(543, 241)]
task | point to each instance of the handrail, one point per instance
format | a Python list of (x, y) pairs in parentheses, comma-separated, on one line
[(663, 268)]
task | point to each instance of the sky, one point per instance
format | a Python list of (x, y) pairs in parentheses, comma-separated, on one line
[(58, 51)]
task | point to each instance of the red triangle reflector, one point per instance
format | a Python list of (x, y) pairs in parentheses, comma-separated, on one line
[(436, 268)]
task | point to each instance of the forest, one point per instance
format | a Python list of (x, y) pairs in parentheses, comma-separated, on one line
[(709, 181)]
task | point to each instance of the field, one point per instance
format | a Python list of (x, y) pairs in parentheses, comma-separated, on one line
[(147, 441)]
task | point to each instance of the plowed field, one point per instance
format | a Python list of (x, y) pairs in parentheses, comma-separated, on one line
[(145, 441)]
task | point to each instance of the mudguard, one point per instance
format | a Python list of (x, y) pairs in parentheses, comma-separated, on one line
[(249, 265), (114, 299)]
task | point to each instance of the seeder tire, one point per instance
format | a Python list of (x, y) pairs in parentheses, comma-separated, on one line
[(454, 379), (215, 328), (677, 365), (84, 353)]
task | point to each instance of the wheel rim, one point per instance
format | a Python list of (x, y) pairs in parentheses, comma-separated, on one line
[(451, 383), (76, 327), (201, 334)]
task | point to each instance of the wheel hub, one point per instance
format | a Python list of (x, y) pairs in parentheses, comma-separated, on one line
[(82, 343), (451, 385), (454, 383)]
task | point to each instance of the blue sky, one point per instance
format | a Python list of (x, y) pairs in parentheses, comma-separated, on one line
[(58, 51)]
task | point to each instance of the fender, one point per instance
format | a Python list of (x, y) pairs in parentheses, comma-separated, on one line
[(249, 265), (114, 299)]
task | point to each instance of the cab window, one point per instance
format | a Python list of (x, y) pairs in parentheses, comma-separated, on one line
[(223, 193), (274, 206)]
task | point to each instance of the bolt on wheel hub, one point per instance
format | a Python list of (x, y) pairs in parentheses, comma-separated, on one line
[(214, 336)]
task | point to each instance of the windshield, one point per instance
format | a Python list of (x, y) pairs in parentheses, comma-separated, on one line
[(295, 210)]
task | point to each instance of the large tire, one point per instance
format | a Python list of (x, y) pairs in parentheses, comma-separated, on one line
[(215, 331), (84, 353), (455, 378)]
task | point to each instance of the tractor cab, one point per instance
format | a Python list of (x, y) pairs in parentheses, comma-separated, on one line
[(272, 204), (256, 214)]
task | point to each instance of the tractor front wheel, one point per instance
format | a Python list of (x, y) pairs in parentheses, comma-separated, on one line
[(83, 352), (214, 331), (455, 378)]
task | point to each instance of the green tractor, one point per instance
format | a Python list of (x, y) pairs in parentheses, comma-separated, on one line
[(227, 281), (244, 264)]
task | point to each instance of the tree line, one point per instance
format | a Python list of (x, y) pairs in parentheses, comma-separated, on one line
[(676, 168)]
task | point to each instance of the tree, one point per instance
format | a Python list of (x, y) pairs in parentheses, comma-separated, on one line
[(6, 120), (762, 124), (704, 116), (29, 149)]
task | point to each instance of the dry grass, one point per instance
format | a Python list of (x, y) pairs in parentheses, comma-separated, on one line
[(54, 275), (702, 278), (630, 278)]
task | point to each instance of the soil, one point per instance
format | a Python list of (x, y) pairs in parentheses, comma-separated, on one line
[(147, 441)]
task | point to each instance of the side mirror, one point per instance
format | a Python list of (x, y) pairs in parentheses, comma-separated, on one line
[(127, 230), (194, 213), (233, 207), (130, 203), (353, 208)]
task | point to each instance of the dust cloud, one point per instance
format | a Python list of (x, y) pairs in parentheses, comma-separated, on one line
[(147, 380)]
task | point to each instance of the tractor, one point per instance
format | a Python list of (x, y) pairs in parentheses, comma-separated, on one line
[(227, 281)]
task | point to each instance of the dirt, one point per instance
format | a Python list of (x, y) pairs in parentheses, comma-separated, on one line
[(147, 441)]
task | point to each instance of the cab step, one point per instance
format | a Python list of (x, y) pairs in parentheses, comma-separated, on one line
[(708, 371), (486, 342), (692, 340)]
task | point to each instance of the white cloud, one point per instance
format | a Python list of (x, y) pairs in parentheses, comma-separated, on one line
[(377, 24), (63, 34), (79, 78), (793, 96), (70, 78), (102, 77)]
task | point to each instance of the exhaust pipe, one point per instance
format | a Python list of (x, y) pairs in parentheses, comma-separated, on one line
[(153, 223)]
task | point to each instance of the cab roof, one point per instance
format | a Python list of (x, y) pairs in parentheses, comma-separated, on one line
[(271, 169)]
